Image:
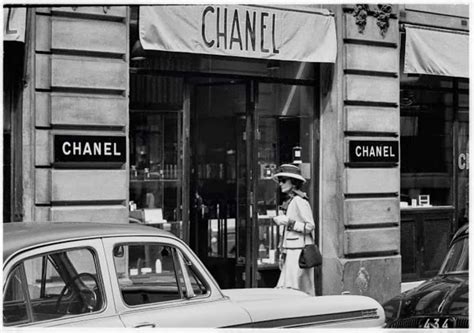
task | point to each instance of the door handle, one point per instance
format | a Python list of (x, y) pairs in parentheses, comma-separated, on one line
[(144, 325)]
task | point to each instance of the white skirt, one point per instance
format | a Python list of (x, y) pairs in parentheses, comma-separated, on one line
[(294, 277)]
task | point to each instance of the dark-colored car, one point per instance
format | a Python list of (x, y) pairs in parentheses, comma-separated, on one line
[(440, 302)]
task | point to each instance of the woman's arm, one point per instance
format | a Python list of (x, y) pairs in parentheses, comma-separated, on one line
[(281, 220)]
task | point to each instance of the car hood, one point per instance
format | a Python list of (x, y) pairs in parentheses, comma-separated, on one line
[(265, 304), (441, 295)]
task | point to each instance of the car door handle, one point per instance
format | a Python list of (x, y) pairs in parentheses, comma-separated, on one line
[(144, 325)]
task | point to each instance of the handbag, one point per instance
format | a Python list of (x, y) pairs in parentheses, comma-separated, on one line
[(310, 256)]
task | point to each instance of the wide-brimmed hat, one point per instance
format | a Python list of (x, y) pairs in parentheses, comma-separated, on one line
[(289, 171)]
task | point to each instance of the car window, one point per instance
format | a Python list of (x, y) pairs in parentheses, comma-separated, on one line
[(62, 283), (148, 273), (14, 300), (199, 287), (36, 269), (457, 259)]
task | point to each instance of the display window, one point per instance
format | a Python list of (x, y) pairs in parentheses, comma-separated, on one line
[(285, 127), (12, 133), (156, 168), (434, 145), (426, 116)]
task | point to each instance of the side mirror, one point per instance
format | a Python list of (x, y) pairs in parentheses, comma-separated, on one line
[(119, 251)]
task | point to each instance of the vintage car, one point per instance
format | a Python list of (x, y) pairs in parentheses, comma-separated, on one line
[(130, 275), (440, 302)]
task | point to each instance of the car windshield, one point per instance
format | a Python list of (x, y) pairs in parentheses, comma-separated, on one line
[(457, 259)]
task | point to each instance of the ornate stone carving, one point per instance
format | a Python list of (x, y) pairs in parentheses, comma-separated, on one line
[(382, 15), (360, 13), (362, 280)]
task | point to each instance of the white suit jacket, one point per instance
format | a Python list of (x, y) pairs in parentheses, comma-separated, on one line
[(300, 211)]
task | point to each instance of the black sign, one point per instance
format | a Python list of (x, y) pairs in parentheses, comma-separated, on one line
[(86, 149), (373, 151)]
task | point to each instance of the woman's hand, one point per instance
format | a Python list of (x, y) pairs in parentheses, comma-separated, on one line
[(281, 220), (299, 226), (281, 261)]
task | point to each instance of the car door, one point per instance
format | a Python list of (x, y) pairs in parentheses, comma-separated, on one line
[(159, 282), (64, 284)]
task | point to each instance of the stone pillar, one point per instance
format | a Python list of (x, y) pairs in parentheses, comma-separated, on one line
[(78, 85), (360, 215)]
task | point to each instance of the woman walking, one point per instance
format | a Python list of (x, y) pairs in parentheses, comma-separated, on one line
[(297, 217)]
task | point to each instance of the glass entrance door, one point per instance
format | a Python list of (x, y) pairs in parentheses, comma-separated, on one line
[(240, 132), (285, 126), (220, 219)]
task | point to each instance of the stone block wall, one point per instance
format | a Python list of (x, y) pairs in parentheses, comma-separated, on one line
[(78, 85), (360, 214)]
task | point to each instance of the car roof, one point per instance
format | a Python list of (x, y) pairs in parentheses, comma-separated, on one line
[(21, 235)]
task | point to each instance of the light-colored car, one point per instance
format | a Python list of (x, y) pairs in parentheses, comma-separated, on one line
[(129, 275)]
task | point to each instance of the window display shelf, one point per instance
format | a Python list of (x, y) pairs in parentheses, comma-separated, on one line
[(155, 180), (425, 208)]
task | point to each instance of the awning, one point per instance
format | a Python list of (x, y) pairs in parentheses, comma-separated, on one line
[(261, 32), (436, 52), (14, 22)]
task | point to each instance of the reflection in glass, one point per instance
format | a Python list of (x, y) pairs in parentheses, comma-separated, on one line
[(156, 169)]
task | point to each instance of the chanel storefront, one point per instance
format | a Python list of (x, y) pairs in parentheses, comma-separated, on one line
[(215, 107), (177, 116)]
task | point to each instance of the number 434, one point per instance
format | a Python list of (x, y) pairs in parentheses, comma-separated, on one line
[(435, 323)]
